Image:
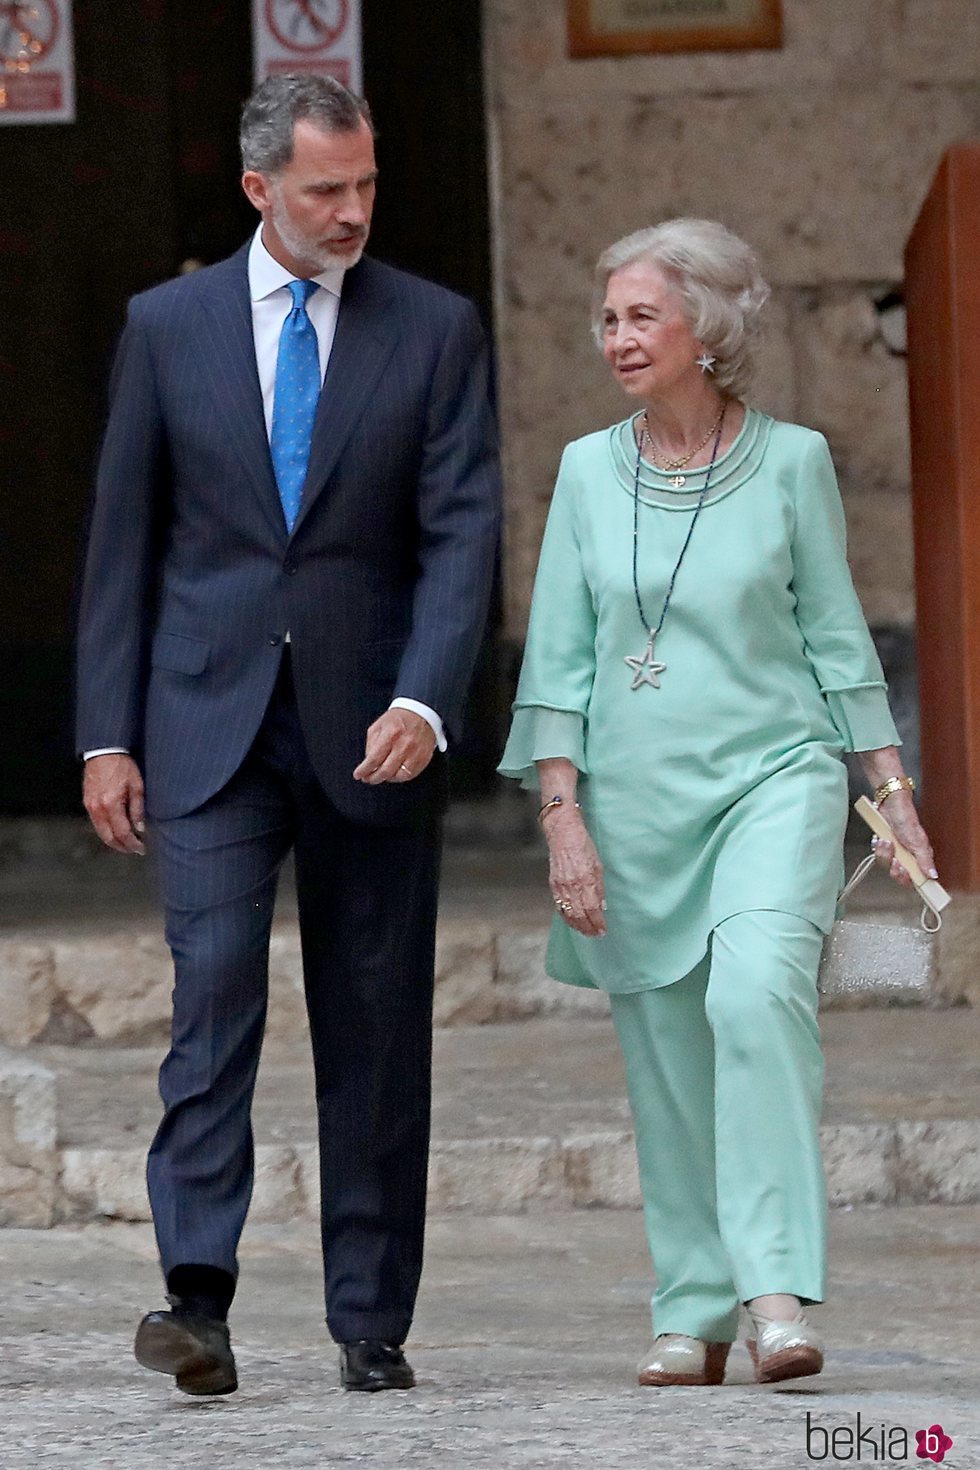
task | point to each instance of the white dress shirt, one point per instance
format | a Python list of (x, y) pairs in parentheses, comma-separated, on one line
[(268, 287)]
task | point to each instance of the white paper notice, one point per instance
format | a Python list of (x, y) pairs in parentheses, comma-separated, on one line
[(37, 62), (308, 35)]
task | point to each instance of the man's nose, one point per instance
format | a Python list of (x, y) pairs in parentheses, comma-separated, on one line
[(352, 211)]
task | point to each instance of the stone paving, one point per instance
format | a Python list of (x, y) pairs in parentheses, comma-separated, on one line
[(532, 1314), (525, 1345)]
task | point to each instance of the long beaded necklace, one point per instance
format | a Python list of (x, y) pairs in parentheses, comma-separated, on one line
[(646, 669)]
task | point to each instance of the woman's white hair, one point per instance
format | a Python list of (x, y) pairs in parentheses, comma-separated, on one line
[(718, 279)]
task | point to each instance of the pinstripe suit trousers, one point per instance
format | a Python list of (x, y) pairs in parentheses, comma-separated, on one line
[(367, 905)]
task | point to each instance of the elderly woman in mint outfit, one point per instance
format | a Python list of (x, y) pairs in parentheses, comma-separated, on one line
[(696, 663)]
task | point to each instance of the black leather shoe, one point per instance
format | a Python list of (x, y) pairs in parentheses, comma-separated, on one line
[(195, 1349), (368, 1365)]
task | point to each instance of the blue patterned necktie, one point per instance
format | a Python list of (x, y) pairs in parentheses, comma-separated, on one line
[(294, 405)]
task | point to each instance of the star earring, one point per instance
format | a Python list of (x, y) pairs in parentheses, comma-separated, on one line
[(706, 362)]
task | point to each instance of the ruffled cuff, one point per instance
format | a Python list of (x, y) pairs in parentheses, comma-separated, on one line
[(538, 733), (862, 716)]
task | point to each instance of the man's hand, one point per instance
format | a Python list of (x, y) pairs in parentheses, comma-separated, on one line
[(399, 747), (112, 791)]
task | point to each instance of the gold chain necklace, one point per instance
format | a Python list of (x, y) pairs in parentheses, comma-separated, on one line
[(662, 462)]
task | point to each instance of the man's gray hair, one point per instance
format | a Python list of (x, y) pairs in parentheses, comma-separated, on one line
[(719, 282), (280, 102)]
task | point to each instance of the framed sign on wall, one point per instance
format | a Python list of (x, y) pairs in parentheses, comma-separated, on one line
[(37, 62), (307, 36), (619, 27)]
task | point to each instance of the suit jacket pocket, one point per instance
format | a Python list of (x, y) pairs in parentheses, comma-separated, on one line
[(179, 654)]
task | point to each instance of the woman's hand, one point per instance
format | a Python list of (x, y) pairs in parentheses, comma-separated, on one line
[(899, 812), (575, 873)]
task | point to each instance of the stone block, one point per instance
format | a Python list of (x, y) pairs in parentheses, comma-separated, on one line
[(308, 1162), (826, 43), (278, 1194), (117, 985), (958, 951), (28, 1154), (852, 387), (601, 1171), (287, 1020), (860, 1160), (104, 1182), (939, 1162), (931, 42), (497, 1175), (880, 553), (774, 385), (465, 992), (27, 991), (525, 989), (780, 168), (854, 391)]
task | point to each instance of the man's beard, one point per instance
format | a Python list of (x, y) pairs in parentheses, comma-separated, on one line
[(313, 252)]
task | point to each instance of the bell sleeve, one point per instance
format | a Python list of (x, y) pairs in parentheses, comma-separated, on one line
[(550, 710), (829, 615)]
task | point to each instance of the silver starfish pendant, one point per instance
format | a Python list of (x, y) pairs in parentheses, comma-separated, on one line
[(646, 670)]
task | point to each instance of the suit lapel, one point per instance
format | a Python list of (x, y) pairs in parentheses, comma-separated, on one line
[(364, 341), (228, 363)]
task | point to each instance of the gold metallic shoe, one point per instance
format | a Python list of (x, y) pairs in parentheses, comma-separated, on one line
[(679, 1359), (783, 1349)]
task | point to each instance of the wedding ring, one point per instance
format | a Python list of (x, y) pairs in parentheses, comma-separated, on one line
[(403, 767), (564, 905)]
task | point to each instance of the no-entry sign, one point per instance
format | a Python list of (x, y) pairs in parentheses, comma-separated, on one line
[(308, 35)]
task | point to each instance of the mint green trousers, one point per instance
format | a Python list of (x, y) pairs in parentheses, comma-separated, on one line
[(725, 1079)]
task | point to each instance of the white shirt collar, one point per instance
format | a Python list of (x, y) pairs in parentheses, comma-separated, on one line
[(266, 275)]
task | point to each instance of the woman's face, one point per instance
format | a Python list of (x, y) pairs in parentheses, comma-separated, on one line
[(645, 337)]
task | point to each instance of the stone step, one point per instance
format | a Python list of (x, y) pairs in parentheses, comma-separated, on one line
[(113, 985), (528, 1116), (82, 957)]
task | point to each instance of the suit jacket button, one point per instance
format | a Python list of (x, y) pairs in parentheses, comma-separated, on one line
[(275, 639), (290, 568)]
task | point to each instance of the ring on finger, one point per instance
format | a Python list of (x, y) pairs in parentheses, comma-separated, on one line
[(404, 768)]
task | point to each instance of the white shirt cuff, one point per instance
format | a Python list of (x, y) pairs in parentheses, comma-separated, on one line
[(109, 750), (429, 715)]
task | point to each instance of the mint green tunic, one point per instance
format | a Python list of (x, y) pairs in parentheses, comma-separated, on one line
[(723, 791)]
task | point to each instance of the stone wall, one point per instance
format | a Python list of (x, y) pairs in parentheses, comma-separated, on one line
[(819, 154)]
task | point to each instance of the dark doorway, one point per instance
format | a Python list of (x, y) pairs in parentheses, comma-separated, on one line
[(146, 180)]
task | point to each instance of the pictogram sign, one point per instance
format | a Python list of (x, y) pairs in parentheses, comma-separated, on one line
[(308, 35), (37, 62)]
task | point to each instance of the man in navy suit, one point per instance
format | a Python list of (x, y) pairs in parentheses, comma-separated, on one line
[(287, 581)]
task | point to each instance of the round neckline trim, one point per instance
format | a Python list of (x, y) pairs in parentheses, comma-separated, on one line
[(738, 463)]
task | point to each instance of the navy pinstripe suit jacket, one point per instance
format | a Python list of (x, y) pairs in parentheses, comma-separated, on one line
[(192, 580)]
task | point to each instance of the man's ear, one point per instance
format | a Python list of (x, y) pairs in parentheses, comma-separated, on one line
[(256, 188)]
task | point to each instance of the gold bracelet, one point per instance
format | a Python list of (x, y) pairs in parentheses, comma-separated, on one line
[(555, 801), (893, 784)]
